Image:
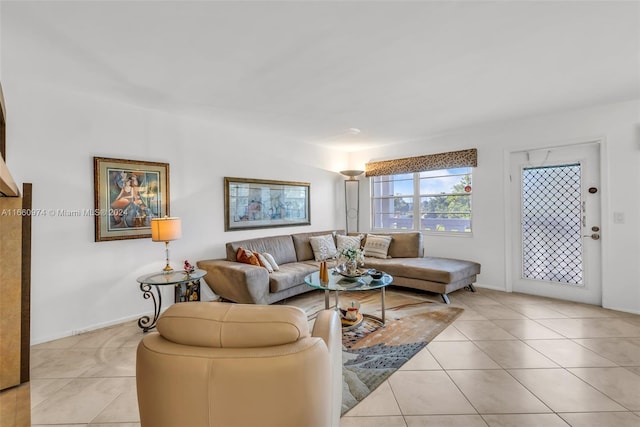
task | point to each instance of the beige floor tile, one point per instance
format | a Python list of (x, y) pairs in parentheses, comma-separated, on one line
[(445, 421), (624, 352), (617, 383), (427, 393), (451, 334), (634, 369), (527, 329), (470, 313), (634, 319), (568, 354), (496, 392), (513, 298), (563, 392), (397, 421), (524, 420), (592, 328), (62, 363), (123, 409), (602, 419), (482, 330), (472, 299), (514, 354), (498, 311), (460, 355), (423, 361), (537, 311), (380, 402), (113, 362), (578, 310), (43, 389), (80, 401)]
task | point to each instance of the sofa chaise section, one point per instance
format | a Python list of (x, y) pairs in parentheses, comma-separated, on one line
[(411, 269)]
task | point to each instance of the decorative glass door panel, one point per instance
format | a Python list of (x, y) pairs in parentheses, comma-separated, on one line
[(551, 227)]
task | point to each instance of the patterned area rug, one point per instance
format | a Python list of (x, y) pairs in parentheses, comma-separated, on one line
[(371, 353)]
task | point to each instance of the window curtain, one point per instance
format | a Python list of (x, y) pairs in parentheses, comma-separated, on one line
[(452, 159)]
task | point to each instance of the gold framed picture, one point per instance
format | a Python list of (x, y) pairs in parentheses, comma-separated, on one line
[(127, 195), (260, 203)]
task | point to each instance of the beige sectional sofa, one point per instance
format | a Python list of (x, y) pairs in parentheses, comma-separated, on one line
[(245, 283)]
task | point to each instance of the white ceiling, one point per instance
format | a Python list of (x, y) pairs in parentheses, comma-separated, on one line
[(310, 71)]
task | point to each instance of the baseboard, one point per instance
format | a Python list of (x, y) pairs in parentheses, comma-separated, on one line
[(491, 287), (623, 310), (97, 326), (90, 328)]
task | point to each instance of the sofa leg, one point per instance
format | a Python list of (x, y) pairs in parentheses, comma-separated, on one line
[(445, 298), (471, 288)]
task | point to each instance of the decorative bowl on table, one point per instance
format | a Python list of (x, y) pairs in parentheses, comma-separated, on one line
[(375, 274), (342, 270)]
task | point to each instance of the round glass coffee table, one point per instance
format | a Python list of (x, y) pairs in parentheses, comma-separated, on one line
[(338, 283)]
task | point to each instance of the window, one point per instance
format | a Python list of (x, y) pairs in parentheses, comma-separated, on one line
[(432, 201)]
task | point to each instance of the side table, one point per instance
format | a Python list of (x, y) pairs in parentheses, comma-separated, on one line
[(186, 288)]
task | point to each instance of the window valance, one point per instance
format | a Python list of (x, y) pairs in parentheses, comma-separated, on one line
[(452, 159)]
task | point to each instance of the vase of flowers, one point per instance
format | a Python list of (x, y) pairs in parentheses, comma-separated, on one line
[(352, 258)]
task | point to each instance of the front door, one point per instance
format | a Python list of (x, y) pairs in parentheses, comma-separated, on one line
[(556, 229)]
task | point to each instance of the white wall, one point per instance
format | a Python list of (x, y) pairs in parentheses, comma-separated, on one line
[(618, 124), (78, 284)]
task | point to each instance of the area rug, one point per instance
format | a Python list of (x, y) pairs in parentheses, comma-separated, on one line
[(371, 353)]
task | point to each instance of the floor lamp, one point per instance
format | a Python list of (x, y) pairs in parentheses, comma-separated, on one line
[(352, 199)]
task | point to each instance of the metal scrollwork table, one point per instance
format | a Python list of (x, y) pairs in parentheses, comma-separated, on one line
[(187, 288)]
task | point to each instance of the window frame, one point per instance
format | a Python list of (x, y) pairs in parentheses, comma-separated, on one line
[(417, 196)]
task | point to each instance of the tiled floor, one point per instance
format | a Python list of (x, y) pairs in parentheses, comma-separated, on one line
[(509, 360)]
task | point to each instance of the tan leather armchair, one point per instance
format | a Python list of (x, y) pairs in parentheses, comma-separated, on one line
[(223, 364)]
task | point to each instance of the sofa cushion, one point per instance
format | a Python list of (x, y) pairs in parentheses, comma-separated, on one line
[(349, 242), (226, 325), (245, 256), (281, 247), (406, 245), (264, 262), (290, 275), (377, 246), (324, 247), (433, 269), (303, 249), (271, 261)]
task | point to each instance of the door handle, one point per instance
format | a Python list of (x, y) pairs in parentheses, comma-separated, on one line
[(594, 236)]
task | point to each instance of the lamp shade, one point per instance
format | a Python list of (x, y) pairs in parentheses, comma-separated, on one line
[(166, 229), (352, 173)]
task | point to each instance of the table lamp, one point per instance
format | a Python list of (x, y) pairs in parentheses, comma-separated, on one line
[(165, 230)]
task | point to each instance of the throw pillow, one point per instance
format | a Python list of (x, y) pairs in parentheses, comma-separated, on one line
[(247, 257), (264, 261), (272, 261), (377, 246), (323, 247), (348, 242)]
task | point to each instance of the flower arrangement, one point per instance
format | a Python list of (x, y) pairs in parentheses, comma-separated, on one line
[(353, 255), (188, 267)]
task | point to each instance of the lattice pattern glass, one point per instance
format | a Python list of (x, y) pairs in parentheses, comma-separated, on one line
[(551, 224)]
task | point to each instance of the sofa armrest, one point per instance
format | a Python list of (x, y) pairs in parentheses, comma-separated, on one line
[(235, 281), (328, 327)]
